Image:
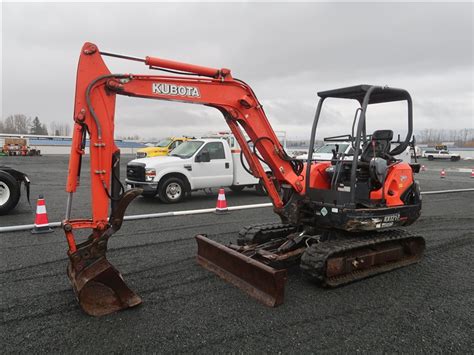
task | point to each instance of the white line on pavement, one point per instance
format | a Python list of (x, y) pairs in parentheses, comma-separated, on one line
[(191, 212)]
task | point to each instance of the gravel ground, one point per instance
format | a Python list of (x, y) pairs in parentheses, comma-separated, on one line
[(426, 307)]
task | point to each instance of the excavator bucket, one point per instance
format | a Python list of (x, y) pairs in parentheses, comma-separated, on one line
[(258, 280), (99, 286)]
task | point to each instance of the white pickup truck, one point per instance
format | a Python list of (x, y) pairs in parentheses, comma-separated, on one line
[(195, 164), (324, 153), (432, 154)]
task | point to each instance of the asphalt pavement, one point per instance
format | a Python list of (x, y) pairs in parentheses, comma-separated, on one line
[(425, 307)]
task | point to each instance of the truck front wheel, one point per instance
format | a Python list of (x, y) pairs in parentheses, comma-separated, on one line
[(430, 157), (9, 192), (237, 188), (172, 190), (260, 189)]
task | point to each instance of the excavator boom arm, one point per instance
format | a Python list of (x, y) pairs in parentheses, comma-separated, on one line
[(99, 287), (97, 88)]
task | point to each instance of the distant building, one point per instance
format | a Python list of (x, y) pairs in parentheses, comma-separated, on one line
[(62, 144)]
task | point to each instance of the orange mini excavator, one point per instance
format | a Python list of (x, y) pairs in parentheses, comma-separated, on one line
[(339, 219)]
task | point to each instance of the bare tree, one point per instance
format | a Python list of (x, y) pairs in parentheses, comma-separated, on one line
[(460, 137), (60, 129), (22, 123), (17, 123)]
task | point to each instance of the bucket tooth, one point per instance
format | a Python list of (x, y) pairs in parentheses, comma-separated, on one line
[(260, 281)]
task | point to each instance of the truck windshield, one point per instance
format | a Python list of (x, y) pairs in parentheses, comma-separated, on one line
[(164, 142), (327, 148), (187, 149)]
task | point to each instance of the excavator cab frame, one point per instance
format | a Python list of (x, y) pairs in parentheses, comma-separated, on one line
[(366, 95), (354, 207)]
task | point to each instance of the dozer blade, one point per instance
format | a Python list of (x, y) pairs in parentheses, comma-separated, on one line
[(258, 280), (99, 287)]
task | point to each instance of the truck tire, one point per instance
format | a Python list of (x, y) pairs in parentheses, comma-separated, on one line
[(9, 192), (260, 189), (172, 190), (430, 157), (237, 188)]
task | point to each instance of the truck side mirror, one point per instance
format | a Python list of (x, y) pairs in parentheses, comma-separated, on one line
[(203, 157)]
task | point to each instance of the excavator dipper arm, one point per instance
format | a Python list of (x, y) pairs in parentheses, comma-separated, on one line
[(99, 287)]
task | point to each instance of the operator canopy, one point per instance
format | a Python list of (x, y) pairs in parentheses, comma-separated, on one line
[(378, 95)]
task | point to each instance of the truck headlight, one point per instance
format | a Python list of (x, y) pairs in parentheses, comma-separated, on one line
[(150, 174)]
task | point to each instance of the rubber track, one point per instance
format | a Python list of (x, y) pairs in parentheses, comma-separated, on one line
[(313, 260), (263, 232)]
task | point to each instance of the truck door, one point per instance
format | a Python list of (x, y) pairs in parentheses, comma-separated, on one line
[(217, 172)]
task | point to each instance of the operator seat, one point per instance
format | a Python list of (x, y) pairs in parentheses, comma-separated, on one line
[(381, 148), (376, 155)]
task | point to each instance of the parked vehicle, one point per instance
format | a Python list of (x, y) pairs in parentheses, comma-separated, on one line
[(344, 147), (325, 152), (416, 152), (16, 146), (432, 154), (195, 164), (10, 188), (163, 147), (341, 223)]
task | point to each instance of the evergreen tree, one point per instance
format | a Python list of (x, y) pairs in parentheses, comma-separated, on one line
[(36, 126)]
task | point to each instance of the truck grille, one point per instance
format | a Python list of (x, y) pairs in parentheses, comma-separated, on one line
[(136, 172)]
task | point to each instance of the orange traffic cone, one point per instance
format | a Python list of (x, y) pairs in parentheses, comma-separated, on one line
[(41, 218), (221, 206), (423, 168), (442, 175)]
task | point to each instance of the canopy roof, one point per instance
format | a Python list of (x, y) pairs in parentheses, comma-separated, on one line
[(378, 95)]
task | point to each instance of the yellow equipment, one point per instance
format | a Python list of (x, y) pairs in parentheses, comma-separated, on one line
[(163, 147)]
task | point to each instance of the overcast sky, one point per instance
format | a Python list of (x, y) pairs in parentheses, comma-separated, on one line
[(286, 52)]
